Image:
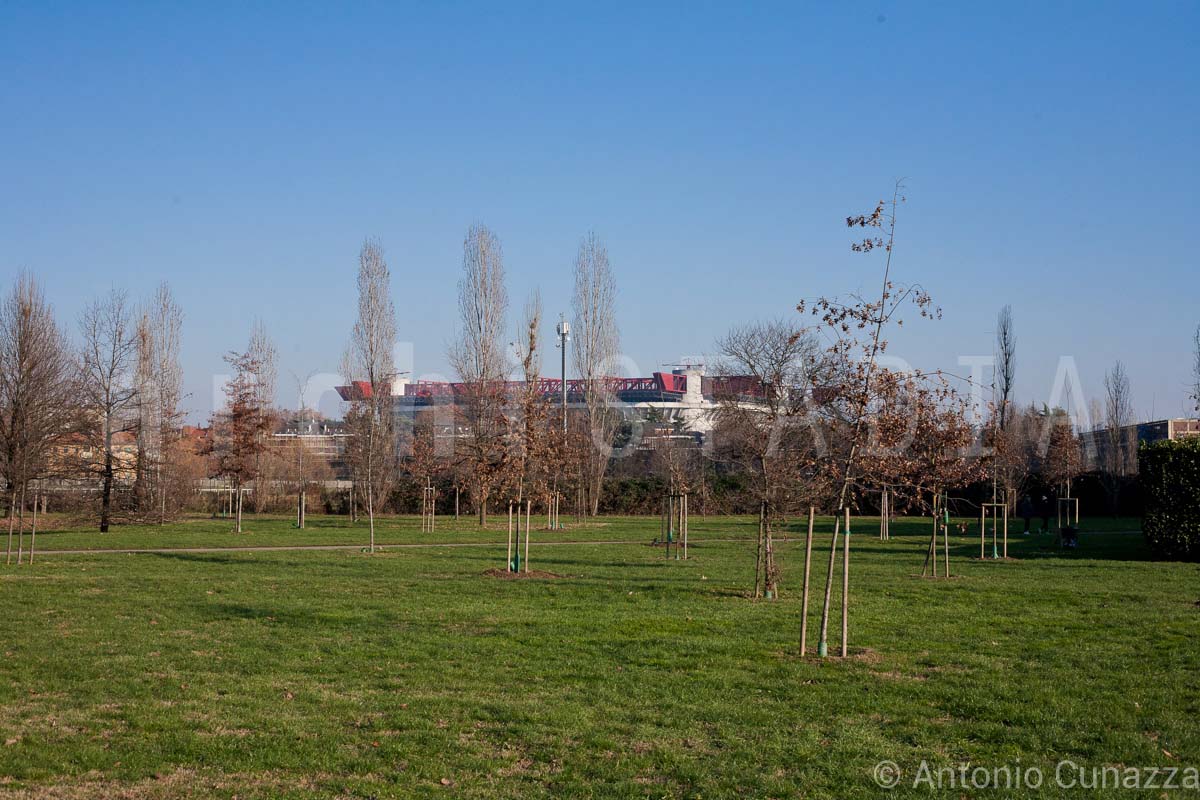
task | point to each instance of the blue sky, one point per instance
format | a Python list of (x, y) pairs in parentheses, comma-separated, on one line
[(242, 153)]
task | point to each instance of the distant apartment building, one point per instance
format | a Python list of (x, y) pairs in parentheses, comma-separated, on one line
[(1096, 443), (322, 440)]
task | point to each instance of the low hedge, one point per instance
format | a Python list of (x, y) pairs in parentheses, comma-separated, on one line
[(1169, 473)]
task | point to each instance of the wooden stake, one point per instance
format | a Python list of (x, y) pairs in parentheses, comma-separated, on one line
[(946, 543), (21, 528), (846, 587), (887, 521), (663, 526), (822, 645), (882, 515), (758, 554), (982, 530), (683, 523), (812, 512), (931, 555), (12, 517), (33, 529), (995, 532), (769, 549), (528, 508), (1006, 528), (508, 558)]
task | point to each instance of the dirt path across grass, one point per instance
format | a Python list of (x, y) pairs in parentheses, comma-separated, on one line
[(266, 548)]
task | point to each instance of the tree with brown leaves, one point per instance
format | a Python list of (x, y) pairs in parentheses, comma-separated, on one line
[(763, 425), (857, 390), (1063, 460), (240, 431)]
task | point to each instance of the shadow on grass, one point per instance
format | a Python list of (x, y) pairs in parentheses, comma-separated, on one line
[(1092, 546)]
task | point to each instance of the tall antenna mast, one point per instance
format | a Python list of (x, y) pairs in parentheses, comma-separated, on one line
[(564, 334)]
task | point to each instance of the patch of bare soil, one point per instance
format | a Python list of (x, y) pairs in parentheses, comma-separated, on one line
[(533, 574), (863, 655)]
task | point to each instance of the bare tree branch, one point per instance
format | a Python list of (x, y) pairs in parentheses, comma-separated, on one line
[(370, 359), (595, 349), (478, 357), (109, 385)]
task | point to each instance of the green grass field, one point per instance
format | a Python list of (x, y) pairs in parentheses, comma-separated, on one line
[(409, 673)]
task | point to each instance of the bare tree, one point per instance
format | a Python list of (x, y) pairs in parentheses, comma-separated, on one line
[(531, 437), (38, 393), (762, 424), (595, 349), (110, 391), (1196, 367), (369, 361), (477, 356), (145, 425), (1118, 453), (304, 419), (265, 355), (166, 330), (1015, 450), (1006, 363), (1002, 388)]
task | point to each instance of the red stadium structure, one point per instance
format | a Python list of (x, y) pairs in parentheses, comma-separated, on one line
[(663, 386)]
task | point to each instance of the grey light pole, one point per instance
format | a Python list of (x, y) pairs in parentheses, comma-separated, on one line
[(564, 334)]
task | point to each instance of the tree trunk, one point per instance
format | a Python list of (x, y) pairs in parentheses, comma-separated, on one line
[(823, 644), (139, 476), (239, 509), (596, 484), (528, 509), (162, 498), (106, 491), (371, 517), (33, 529), (758, 556), (812, 512), (21, 527), (12, 517), (771, 576), (846, 587)]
